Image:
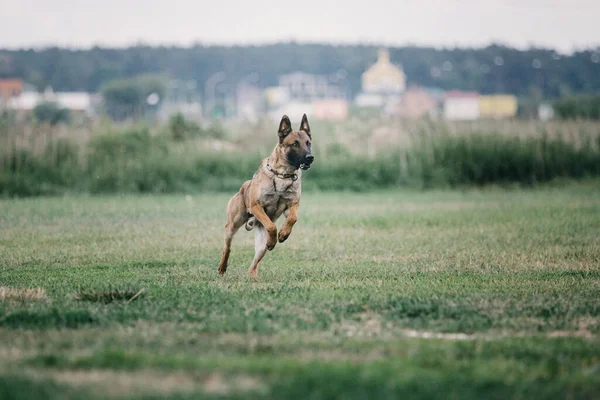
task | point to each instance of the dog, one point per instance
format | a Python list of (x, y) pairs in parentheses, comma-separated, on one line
[(273, 190)]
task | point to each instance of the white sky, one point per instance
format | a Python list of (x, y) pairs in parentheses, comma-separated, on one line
[(562, 25)]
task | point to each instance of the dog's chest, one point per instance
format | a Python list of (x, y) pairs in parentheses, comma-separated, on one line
[(279, 195)]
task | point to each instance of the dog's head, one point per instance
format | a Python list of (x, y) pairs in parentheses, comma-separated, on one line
[(296, 145)]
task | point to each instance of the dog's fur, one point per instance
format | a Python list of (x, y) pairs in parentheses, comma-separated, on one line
[(273, 190)]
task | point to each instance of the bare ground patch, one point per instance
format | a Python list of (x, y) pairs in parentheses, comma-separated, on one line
[(22, 294), (368, 325), (121, 383), (583, 330)]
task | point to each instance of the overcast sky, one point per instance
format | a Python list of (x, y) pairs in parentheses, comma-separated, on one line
[(563, 25)]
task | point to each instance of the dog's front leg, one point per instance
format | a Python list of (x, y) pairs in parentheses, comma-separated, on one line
[(291, 218), (264, 219)]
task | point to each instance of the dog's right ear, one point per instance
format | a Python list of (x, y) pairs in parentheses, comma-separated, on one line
[(285, 128), (304, 125)]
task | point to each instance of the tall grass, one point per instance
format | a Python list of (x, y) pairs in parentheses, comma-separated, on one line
[(109, 160)]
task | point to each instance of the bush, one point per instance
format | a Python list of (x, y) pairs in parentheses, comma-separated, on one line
[(480, 159), (51, 113), (118, 161), (581, 107), (215, 131), (178, 126), (181, 129), (7, 118), (137, 162)]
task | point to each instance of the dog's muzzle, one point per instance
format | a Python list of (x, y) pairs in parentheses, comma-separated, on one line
[(308, 160)]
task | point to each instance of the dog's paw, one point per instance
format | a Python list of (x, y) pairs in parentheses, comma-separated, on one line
[(271, 242), (283, 236)]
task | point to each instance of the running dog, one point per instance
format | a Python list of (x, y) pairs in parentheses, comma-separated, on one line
[(273, 190)]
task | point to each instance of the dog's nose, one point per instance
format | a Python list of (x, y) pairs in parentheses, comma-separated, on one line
[(310, 158)]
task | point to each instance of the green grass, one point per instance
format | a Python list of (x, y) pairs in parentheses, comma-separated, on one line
[(447, 294)]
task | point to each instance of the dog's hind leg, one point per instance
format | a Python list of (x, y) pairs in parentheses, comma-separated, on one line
[(236, 217), (260, 248)]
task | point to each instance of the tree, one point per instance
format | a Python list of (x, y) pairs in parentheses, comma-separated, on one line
[(136, 97)]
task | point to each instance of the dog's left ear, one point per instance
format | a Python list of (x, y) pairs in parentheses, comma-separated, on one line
[(285, 128), (304, 126)]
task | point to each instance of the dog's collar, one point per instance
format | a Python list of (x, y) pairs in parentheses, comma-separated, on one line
[(293, 176)]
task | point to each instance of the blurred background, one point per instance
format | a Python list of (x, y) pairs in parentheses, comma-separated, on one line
[(157, 96)]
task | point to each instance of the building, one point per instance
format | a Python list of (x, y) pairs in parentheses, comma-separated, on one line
[(248, 102), (331, 109), (293, 109), (383, 76), (77, 102), (416, 103), (461, 106), (25, 102), (308, 87), (276, 96), (182, 97), (382, 83), (10, 88), (319, 96), (497, 106)]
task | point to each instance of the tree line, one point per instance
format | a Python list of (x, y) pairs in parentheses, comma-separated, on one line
[(533, 73)]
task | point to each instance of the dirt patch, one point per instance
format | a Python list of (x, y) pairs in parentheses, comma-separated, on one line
[(27, 294), (115, 384), (368, 325), (413, 333), (118, 384), (217, 384), (582, 331)]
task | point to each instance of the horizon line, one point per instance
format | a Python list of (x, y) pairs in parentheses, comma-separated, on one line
[(374, 43)]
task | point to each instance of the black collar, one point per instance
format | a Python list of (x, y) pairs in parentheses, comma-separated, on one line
[(292, 176)]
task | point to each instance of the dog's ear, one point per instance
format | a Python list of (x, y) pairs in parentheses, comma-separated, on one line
[(285, 128), (304, 125)]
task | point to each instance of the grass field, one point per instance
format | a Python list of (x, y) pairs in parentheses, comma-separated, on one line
[(475, 294)]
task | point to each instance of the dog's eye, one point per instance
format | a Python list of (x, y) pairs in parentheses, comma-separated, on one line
[(296, 143), (308, 143)]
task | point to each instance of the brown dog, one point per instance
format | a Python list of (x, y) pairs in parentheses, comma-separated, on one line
[(273, 190)]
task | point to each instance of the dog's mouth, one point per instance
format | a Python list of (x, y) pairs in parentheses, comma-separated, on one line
[(305, 167)]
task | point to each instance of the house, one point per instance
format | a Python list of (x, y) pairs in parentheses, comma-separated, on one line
[(298, 93), (10, 88), (383, 82), (248, 102), (461, 106), (330, 109), (276, 96), (25, 102), (307, 87), (181, 97), (383, 76), (416, 103), (497, 106), (77, 102), (293, 109)]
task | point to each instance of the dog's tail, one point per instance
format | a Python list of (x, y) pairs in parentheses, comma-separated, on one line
[(250, 223)]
